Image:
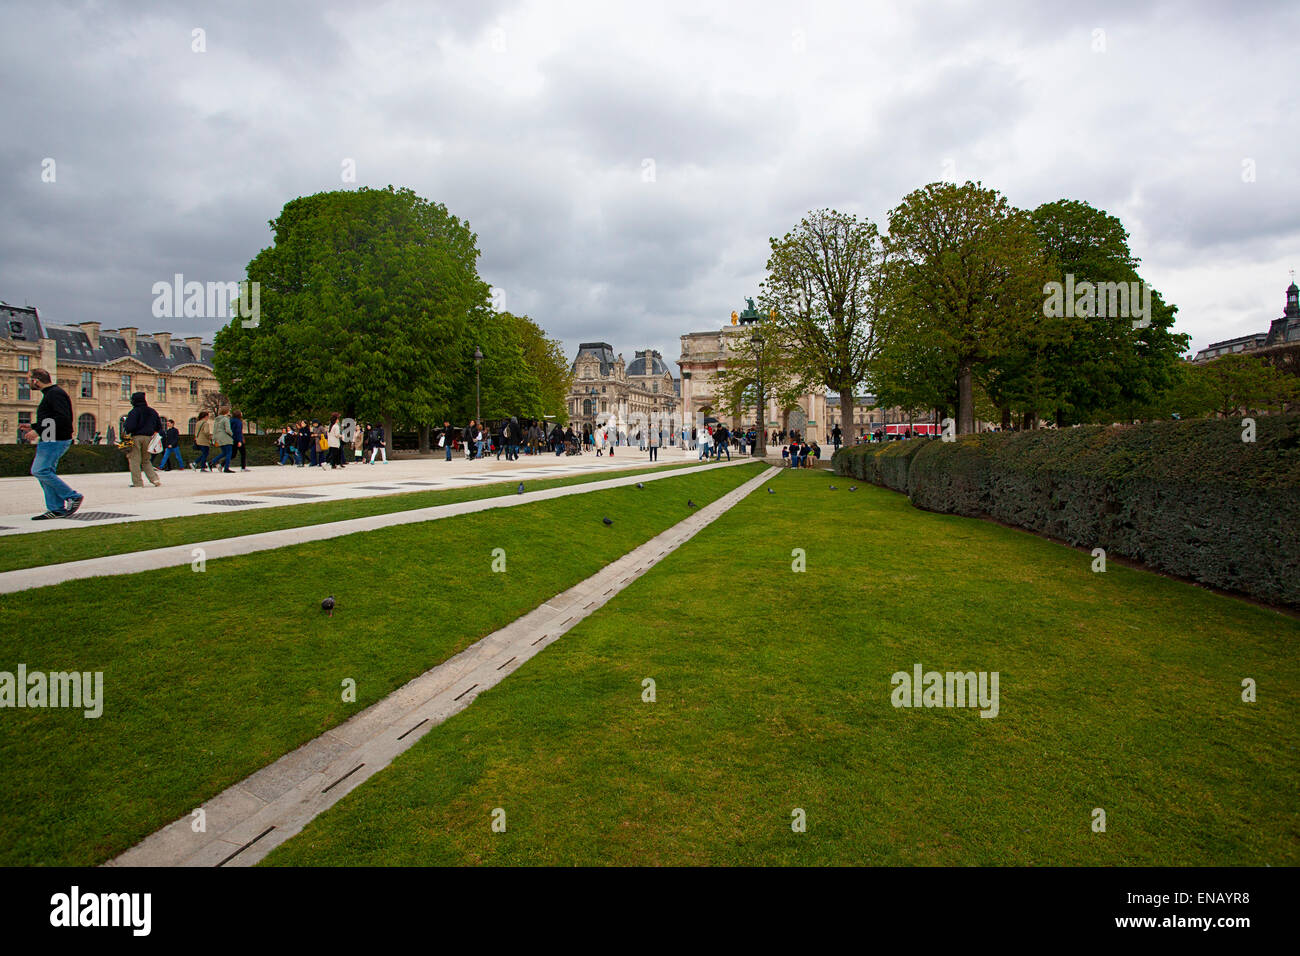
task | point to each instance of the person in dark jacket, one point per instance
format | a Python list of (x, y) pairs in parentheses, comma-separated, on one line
[(53, 436), (172, 447), (237, 430), (142, 423)]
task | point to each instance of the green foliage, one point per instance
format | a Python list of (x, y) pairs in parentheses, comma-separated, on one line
[(1091, 362), (370, 305), (544, 358), (735, 386), (964, 278), (1188, 498), (824, 292)]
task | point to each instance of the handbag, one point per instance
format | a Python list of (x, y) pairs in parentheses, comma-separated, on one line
[(442, 440)]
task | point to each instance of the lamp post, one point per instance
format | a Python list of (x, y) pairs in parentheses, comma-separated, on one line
[(760, 427), (478, 404)]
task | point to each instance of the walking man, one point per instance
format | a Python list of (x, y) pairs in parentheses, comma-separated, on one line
[(54, 416), (172, 446), (142, 423)]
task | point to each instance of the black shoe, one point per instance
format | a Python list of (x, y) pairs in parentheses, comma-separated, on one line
[(50, 514), (72, 504)]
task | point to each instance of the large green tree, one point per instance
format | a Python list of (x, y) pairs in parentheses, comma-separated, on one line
[(368, 298), (544, 358), (1100, 357), (824, 294)]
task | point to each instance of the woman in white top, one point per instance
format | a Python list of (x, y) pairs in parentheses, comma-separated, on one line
[(334, 441)]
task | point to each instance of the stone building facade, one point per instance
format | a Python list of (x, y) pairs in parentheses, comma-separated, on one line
[(1282, 330), (99, 370), (605, 386), (704, 354)]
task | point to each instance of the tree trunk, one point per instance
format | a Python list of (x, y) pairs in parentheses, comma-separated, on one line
[(1006, 418), (388, 436), (965, 399), (424, 439)]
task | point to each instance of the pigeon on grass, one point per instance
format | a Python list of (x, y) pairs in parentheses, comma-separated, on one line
[(328, 605), (520, 489), (639, 485), (691, 504), (607, 522)]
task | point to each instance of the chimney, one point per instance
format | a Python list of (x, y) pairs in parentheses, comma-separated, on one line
[(195, 344), (92, 332), (164, 340), (128, 333)]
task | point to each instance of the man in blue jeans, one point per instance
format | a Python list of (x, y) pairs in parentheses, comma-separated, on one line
[(54, 419), (446, 438)]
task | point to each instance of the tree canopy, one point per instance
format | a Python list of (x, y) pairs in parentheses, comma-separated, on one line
[(371, 304)]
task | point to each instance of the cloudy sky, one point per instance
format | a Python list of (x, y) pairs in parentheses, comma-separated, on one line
[(624, 164)]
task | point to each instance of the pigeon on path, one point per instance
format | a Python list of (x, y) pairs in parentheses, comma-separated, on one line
[(328, 605), (607, 522), (520, 490)]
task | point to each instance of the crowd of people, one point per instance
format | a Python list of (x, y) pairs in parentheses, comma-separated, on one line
[(219, 438), (314, 445)]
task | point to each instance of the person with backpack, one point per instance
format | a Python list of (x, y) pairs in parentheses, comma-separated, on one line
[(722, 442), (142, 424), (377, 446)]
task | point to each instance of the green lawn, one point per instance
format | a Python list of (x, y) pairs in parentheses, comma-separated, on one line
[(80, 543), (1119, 691), (211, 676)]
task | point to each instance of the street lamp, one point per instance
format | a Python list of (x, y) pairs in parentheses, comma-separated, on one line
[(478, 404), (760, 427)]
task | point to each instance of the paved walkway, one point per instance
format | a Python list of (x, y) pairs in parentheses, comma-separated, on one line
[(111, 500), (247, 821), (177, 555)]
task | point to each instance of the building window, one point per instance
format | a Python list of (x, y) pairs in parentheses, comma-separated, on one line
[(87, 385), (24, 363), (587, 407), (656, 385), (24, 390), (24, 418), (85, 428), (194, 391), (126, 387), (193, 424), (162, 389)]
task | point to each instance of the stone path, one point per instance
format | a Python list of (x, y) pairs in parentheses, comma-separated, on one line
[(109, 499), (250, 819), (178, 555)]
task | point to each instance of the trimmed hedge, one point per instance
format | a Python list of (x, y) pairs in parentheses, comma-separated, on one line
[(16, 460), (1186, 498)]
